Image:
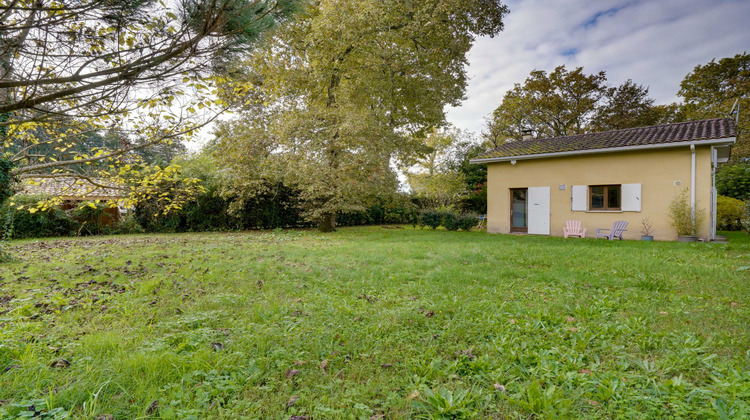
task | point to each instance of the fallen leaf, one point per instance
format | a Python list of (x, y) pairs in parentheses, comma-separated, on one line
[(62, 364), (414, 394), (573, 329), (592, 402), (11, 367), (291, 373), (299, 418), (570, 319), (324, 365), (585, 371), (512, 321), (469, 353), (299, 363), (430, 314), (662, 312), (217, 346), (153, 407), (387, 365), (104, 417), (499, 387), (292, 401)]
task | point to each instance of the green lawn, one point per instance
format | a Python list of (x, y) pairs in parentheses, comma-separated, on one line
[(374, 323)]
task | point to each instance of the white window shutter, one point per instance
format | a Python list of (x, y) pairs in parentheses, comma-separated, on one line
[(631, 197), (579, 198)]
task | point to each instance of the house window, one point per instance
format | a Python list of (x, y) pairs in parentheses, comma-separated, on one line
[(605, 197)]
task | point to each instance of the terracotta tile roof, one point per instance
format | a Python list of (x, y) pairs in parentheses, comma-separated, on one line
[(717, 128), (72, 188)]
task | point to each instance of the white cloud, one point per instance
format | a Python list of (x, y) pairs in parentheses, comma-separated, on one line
[(654, 43)]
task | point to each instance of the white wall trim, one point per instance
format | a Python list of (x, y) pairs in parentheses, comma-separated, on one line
[(724, 141)]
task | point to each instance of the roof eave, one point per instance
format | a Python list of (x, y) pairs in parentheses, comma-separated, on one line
[(713, 142)]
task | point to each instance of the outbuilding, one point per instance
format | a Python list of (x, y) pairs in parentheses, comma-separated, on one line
[(535, 186)]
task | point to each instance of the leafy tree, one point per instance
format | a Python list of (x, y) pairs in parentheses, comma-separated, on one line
[(733, 180), (429, 176), (625, 106), (556, 104), (334, 98), (711, 90), (474, 175), (564, 103), (74, 70)]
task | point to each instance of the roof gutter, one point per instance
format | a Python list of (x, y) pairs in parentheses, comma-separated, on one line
[(722, 141)]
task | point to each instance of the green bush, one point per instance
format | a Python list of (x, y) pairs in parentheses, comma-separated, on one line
[(746, 217), (128, 225), (729, 213), (467, 221), (450, 220), (734, 181), (6, 180), (681, 215), (92, 219), (42, 223), (431, 218)]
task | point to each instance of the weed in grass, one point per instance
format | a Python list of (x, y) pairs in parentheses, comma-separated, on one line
[(651, 283), (444, 404)]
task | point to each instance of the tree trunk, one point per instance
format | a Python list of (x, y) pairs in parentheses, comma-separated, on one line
[(327, 222)]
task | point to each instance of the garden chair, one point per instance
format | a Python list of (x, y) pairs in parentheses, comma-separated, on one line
[(573, 228), (482, 222), (615, 232)]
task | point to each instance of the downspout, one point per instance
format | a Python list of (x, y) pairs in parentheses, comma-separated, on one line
[(692, 186), (714, 164)]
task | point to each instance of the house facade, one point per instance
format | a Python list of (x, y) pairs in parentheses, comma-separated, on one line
[(535, 186)]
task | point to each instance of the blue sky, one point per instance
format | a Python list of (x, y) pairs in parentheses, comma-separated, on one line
[(653, 42)]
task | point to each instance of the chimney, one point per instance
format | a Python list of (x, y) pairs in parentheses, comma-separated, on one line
[(526, 134)]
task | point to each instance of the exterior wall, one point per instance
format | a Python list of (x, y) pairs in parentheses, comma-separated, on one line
[(656, 171)]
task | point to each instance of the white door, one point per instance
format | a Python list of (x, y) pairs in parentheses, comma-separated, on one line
[(539, 210)]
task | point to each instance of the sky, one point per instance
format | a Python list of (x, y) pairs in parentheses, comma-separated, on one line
[(653, 42)]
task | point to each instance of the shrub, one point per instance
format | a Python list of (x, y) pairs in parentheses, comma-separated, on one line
[(450, 220), (467, 221), (6, 180), (734, 181), (681, 215), (50, 221), (431, 218), (128, 225), (92, 219), (729, 213), (746, 217)]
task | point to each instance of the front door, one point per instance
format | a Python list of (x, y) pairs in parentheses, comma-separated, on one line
[(538, 210), (518, 210)]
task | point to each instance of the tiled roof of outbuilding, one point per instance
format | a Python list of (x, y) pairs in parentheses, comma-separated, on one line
[(71, 188), (689, 131)]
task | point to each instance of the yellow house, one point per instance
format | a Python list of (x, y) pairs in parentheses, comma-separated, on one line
[(534, 186)]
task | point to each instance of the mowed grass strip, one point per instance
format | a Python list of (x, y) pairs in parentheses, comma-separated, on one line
[(374, 323)]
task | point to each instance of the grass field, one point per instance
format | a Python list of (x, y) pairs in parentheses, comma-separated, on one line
[(374, 323)]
